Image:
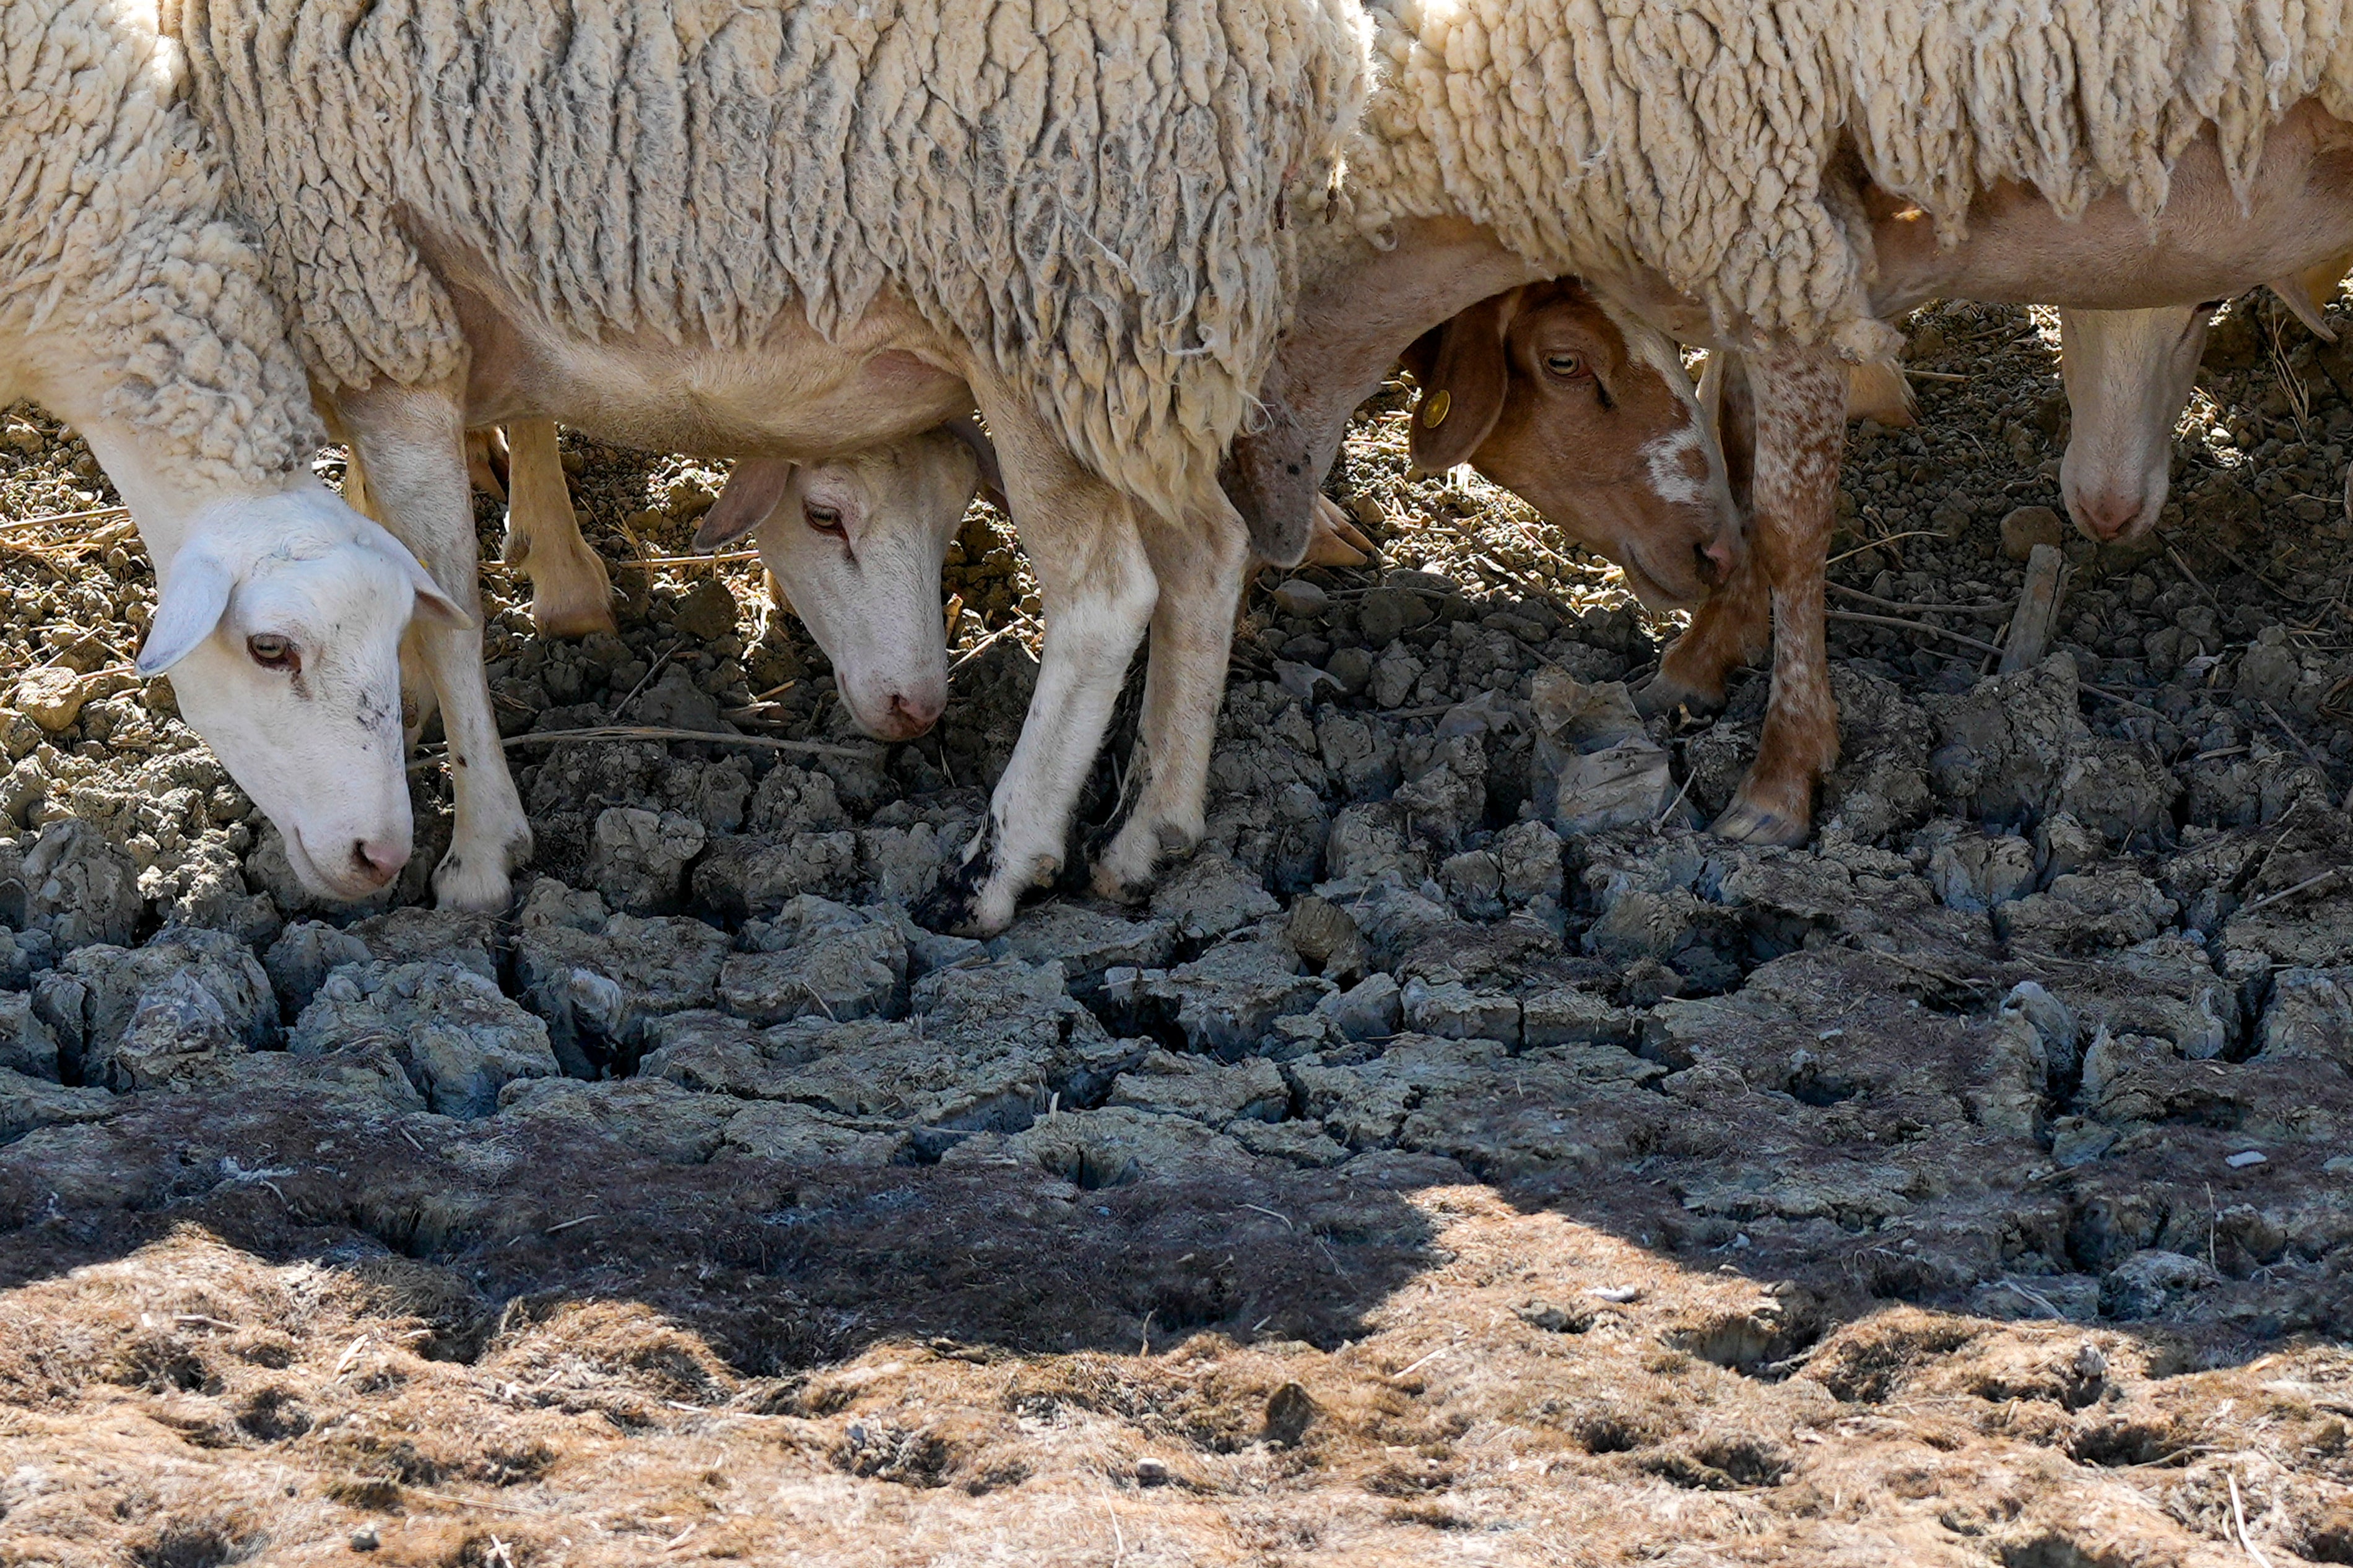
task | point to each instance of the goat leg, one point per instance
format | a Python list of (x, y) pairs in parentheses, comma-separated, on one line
[(1800, 428), (571, 594)]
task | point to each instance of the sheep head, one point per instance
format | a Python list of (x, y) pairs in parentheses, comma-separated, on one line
[(856, 545), (279, 620)]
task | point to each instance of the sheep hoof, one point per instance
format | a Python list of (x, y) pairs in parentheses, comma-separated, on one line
[(1127, 871), (1746, 822)]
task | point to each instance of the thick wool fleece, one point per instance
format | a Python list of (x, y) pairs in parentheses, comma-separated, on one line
[(119, 271), (1698, 138), (1090, 192)]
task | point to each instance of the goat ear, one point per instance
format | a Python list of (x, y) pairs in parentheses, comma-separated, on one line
[(752, 491), (1730, 412), (1463, 396), (983, 452), (189, 608)]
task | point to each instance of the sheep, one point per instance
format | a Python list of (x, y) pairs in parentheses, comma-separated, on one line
[(2128, 375), (135, 305), (843, 226), (1784, 179)]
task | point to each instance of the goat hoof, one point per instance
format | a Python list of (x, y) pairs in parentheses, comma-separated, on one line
[(1745, 822), (570, 621), (1663, 694)]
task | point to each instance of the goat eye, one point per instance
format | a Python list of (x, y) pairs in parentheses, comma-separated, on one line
[(824, 519), (273, 652), (1568, 367)]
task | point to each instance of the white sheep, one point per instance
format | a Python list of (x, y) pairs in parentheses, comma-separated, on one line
[(753, 227), (135, 307)]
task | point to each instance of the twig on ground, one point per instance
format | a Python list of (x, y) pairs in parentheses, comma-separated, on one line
[(655, 732), (2239, 1516), (1899, 625), (2303, 745), (1983, 612), (2268, 899)]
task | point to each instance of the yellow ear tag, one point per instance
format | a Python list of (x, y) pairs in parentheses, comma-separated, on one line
[(1433, 408)]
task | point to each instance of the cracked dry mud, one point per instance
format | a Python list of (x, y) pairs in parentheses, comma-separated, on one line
[(1461, 1160)]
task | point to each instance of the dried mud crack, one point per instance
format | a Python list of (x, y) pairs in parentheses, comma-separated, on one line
[(1462, 1159)]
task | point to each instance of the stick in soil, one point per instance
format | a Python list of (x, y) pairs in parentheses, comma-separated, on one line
[(2038, 610)]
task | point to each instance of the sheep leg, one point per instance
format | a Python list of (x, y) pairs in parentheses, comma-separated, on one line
[(1731, 628), (1200, 570), (414, 443), (1800, 428), (1085, 545), (571, 595)]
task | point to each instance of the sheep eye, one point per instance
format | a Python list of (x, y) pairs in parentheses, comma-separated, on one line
[(1568, 367), (273, 652), (824, 519)]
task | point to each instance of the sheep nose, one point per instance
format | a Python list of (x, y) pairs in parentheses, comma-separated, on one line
[(915, 715), (379, 860), (2105, 517), (1713, 562)]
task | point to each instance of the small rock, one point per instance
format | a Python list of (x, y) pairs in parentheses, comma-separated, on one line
[(550, 903), (2027, 526), (1151, 1472), (91, 1001), (1453, 1011), (803, 1135), (2244, 1158), (364, 1539), (1226, 1000), (51, 696), (1298, 596), (2076, 1141), (1300, 1142), (1554, 1317)]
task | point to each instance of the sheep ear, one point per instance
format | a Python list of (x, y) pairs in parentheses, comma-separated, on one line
[(2294, 291), (1877, 390), (189, 608), (1463, 395), (752, 491), (983, 452), (432, 604)]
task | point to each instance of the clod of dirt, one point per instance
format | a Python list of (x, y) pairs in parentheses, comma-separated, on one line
[(990, 1047), (1110, 1148), (1206, 1091), (168, 1012), (1086, 942), (817, 959), (600, 990), (2023, 528), (2146, 1284), (650, 1115), (1209, 897), (80, 887), (637, 858), (1225, 1001), (457, 1038), (2015, 748)]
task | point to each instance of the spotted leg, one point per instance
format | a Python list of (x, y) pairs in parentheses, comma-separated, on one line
[(1800, 428), (412, 440)]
